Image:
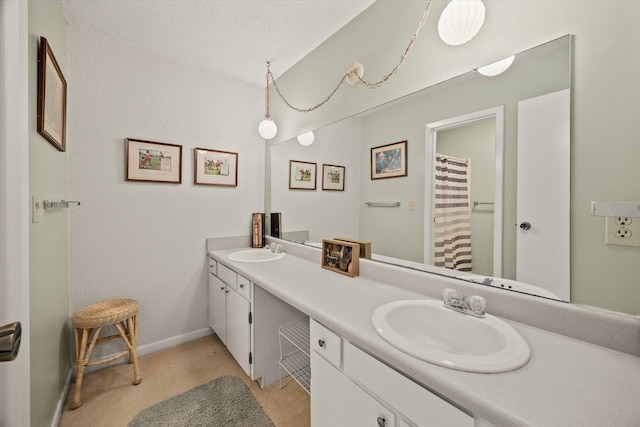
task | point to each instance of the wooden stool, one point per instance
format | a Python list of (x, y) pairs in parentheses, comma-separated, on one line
[(88, 323)]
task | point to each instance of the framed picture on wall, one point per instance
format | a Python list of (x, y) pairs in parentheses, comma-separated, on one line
[(389, 161), (333, 177), (153, 161), (302, 175), (52, 98), (215, 167)]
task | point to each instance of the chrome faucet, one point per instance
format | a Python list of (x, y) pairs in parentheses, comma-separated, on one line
[(475, 306)]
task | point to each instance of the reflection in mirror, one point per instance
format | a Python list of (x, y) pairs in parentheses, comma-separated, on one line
[(400, 234)]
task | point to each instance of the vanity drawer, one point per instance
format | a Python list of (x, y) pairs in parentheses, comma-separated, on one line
[(228, 276), (244, 287), (326, 343), (213, 266), (410, 399)]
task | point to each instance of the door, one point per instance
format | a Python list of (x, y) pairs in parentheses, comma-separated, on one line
[(542, 242), (14, 206), (217, 307), (238, 329)]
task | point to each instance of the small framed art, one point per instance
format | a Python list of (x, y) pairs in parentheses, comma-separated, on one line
[(389, 161), (215, 167), (341, 257), (302, 175), (333, 177), (52, 98), (153, 161)]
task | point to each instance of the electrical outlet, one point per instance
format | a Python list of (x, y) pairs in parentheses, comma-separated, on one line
[(624, 231)]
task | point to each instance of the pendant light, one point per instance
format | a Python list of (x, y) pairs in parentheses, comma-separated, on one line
[(267, 128), (497, 67), (306, 138), (460, 21)]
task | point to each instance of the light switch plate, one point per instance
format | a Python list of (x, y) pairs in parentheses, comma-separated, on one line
[(623, 231)]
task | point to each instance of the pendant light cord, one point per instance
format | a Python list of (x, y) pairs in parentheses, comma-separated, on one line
[(271, 79)]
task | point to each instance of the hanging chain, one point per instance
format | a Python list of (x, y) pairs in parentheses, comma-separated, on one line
[(306, 110), (375, 85)]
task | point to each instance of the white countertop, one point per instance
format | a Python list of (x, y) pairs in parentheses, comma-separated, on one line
[(566, 382)]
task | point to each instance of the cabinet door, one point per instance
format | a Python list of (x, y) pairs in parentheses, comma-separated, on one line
[(217, 307), (336, 401), (239, 329)]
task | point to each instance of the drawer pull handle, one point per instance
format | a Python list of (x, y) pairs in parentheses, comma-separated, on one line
[(241, 286), (381, 422), (321, 343), (222, 288)]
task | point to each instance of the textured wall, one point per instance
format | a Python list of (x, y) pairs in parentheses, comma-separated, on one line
[(326, 214), (143, 240)]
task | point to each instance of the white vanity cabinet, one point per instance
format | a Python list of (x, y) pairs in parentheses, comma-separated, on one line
[(230, 312), (218, 307), (350, 387), (246, 319)]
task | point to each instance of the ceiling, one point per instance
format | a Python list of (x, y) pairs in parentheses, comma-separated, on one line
[(232, 38)]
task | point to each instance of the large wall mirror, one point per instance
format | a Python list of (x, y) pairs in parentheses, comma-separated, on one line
[(471, 119)]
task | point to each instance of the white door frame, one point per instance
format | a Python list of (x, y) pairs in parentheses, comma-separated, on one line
[(432, 130), (14, 206)]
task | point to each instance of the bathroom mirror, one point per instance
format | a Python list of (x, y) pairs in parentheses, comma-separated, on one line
[(470, 104)]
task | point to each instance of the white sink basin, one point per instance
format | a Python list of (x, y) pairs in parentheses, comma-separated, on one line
[(431, 332), (255, 255)]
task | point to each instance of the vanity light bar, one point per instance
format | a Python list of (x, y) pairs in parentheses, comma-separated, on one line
[(630, 209)]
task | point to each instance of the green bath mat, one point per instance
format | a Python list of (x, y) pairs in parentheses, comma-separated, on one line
[(223, 402)]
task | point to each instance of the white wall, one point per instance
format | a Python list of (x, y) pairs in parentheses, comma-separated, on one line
[(48, 238), (605, 103), (332, 213), (143, 240)]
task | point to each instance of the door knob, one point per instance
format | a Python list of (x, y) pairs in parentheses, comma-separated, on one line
[(10, 337), (525, 225), (381, 422)]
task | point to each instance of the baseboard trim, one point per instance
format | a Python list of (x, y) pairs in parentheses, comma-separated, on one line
[(63, 398), (173, 341)]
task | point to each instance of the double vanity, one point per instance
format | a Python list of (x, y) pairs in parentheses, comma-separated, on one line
[(384, 350)]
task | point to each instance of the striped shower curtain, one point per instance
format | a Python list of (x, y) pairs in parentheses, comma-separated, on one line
[(452, 228)]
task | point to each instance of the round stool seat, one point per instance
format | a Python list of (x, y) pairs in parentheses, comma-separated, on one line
[(105, 313), (89, 322)]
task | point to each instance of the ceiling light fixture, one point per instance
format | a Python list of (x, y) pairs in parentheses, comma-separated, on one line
[(353, 76), (460, 21), (306, 138), (497, 67)]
